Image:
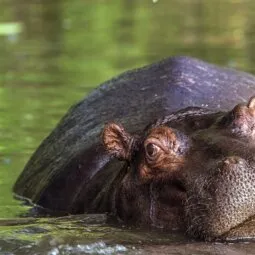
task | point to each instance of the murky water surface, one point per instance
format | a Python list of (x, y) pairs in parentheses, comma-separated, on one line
[(53, 53)]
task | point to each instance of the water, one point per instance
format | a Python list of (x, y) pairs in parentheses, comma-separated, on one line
[(54, 52)]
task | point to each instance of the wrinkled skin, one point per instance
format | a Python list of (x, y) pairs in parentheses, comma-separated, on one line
[(72, 172), (198, 169)]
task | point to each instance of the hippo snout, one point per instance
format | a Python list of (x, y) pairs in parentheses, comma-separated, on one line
[(222, 200)]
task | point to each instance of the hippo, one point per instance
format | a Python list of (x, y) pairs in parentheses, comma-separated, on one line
[(168, 145)]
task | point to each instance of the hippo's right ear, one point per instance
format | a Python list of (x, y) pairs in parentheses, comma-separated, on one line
[(117, 141)]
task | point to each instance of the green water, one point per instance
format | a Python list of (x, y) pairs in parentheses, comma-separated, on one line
[(54, 52)]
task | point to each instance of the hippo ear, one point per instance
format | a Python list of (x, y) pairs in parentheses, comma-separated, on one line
[(117, 141)]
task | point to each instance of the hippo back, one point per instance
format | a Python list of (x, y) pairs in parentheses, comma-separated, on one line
[(70, 171)]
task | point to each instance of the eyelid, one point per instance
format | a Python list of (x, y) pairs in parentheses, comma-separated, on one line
[(157, 143)]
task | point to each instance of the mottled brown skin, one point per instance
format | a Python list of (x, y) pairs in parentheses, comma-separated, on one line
[(193, 170)]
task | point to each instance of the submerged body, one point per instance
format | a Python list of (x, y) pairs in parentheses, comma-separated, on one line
[(71, 172)]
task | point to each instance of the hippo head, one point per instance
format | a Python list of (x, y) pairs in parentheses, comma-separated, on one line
[(200, 164)]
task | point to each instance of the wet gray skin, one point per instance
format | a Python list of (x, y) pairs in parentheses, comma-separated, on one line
[(72, 172)]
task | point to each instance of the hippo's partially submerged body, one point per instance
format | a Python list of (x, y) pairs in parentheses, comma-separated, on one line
[(71, 172)]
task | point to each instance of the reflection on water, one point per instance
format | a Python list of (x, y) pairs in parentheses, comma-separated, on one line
[(83, 234), (55, 52), (75, 235)]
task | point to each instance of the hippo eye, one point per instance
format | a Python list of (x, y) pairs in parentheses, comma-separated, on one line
[(151, 150)]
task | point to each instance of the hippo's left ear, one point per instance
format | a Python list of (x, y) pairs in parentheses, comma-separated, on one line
[(117, 141)]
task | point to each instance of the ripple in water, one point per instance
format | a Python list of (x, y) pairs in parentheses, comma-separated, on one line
[(94, 248)]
